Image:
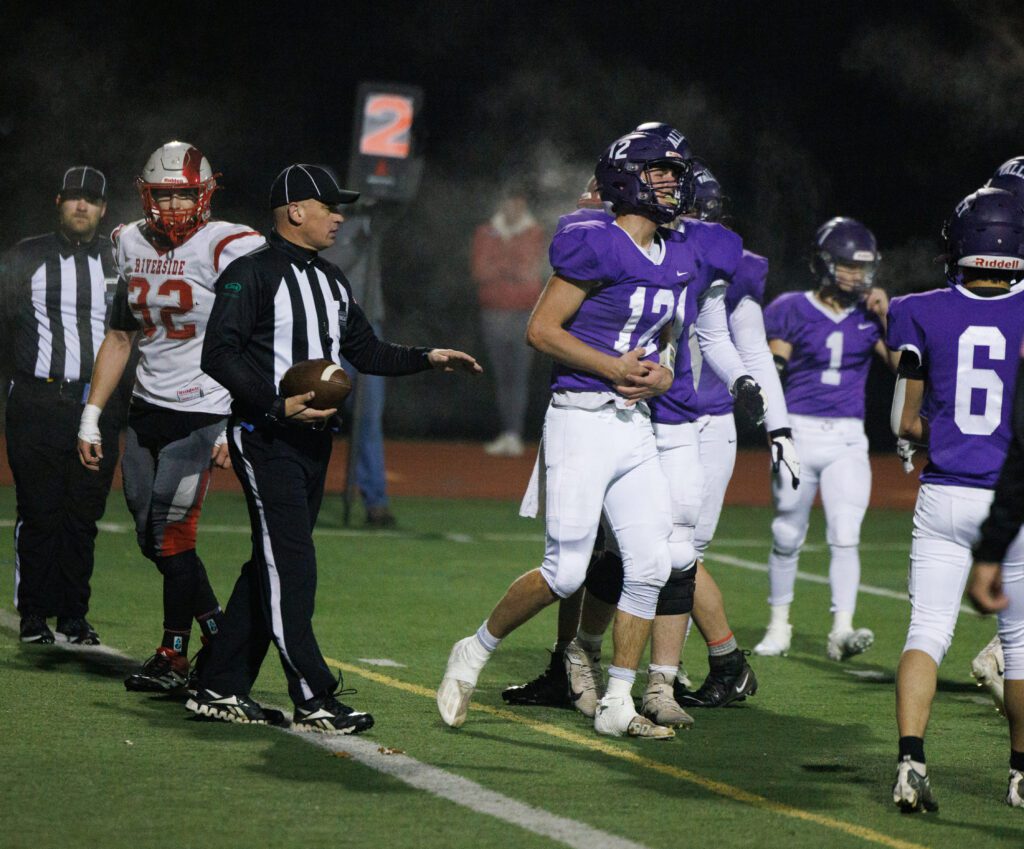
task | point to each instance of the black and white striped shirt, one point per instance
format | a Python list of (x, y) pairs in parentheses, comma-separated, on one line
[(56, 299), (280, 305)]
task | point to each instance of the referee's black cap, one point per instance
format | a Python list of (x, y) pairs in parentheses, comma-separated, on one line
[(83, 180), (302, 182)]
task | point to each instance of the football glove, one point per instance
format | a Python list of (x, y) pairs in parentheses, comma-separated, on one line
[(905, 451), (750, 398), (780, 443)]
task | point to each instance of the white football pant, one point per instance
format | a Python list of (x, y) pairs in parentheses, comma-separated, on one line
[(947, 522), (833, 456), (605, 458), (717, 459)]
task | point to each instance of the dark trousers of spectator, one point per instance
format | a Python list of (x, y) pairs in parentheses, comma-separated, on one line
[(59, 500), (510, 359), (282, 471)]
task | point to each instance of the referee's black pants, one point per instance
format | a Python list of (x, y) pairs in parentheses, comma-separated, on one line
[(59, 500), (282, 470)]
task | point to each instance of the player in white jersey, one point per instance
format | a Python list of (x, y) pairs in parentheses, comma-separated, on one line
[(167, 265)]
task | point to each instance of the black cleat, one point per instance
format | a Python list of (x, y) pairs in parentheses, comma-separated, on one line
[(77, 631), (35, 630), (242, 709), (165, 671), (729, 680), (549, 689), (327, 715)]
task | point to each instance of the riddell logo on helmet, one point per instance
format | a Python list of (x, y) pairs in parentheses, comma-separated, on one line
[(995, 262)]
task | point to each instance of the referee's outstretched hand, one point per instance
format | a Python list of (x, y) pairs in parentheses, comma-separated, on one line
[(295, 409), (445, 359)]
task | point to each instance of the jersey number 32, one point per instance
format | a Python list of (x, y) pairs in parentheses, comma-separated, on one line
[(169, 288)]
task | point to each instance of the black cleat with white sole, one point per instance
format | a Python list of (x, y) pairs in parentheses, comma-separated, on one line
[(242, 709), (35, 630), (326, 715), (549, 689), (730, 679), (77, 631)]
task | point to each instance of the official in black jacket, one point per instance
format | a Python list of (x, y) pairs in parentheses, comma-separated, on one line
[(280, 305)]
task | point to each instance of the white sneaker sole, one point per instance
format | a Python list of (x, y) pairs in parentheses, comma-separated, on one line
[(223, 713)]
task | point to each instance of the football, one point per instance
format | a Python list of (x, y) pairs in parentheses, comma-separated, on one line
[(328, 380)]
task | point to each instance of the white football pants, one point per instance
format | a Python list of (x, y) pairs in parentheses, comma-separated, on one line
[(833, 456), (717, 458), (605, 458), (947, 521)]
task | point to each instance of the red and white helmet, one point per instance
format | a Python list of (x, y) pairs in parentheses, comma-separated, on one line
[(177, 165)]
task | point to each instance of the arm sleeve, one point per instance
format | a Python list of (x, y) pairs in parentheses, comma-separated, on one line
[(713, 337), (747, 326), (121, 317), (233, 319), (1007, 511), (371, 355)]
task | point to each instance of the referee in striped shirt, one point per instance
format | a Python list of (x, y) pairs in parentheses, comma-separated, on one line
[(283, 304), (56, 291)]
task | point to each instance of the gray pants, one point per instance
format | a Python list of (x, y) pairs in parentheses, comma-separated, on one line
[(510, 359), (165, 490)]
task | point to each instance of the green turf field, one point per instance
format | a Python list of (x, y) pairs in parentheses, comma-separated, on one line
[(807, 763)]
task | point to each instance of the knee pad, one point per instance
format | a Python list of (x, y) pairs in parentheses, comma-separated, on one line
[(681, 547), (565, 564), (676, 597), (604, 578), (787, 536), (844, 529)]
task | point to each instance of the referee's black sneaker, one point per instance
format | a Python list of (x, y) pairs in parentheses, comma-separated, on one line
[(730, 679), (35, 630), (166, 670), (549, 689), (77, 630), (206, 703), (327, 715)]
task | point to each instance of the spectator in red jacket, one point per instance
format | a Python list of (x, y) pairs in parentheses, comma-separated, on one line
[(508, 252)]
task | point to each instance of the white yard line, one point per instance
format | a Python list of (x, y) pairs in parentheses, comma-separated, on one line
[(430, 779)]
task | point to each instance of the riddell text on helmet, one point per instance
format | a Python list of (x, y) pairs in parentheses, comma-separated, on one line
[(1009, 263)]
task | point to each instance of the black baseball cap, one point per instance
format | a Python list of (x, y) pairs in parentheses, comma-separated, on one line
[(83, 180), (302, 182)]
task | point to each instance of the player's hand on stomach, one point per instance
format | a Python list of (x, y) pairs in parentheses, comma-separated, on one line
[(630, 364), (640, 387), (295, 410), (445, 359)]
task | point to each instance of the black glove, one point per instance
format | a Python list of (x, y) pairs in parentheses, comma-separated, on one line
[(750, 398)]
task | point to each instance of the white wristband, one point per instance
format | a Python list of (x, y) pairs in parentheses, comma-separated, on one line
[(222, 439), (89, 425), (667, 357)]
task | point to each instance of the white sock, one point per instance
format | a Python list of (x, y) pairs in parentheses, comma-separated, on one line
[(486, 639), (668, 671), (619, 688), (844, 576), (780, 616), (842, 621)]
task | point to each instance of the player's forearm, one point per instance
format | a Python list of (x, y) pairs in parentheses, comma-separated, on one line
[(747, 327), (111, 360), (562, 346), (715, 343)]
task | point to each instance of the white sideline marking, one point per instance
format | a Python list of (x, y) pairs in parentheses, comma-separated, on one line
[(869, 674), (431, 779), (381, 661), (867, 589)]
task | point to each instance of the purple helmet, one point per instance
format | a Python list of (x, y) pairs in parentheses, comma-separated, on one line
[(986, 231), (846, 241), (1010, 176), (707, 193), (669, 134), (623, 173)]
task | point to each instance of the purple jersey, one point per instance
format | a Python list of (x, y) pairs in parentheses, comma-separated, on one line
[(968, 346), (636, 293), (831, 355), (719, 254), (713, 398)]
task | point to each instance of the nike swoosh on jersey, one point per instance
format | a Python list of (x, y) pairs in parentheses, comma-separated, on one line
[(682, 274), (867, 326)]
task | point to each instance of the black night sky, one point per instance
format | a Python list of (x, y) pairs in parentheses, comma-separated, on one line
[(886, 111)]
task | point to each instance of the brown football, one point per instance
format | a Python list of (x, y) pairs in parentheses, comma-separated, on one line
[(328, 380)]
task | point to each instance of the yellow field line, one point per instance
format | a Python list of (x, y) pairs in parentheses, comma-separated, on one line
[(597, 744)]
